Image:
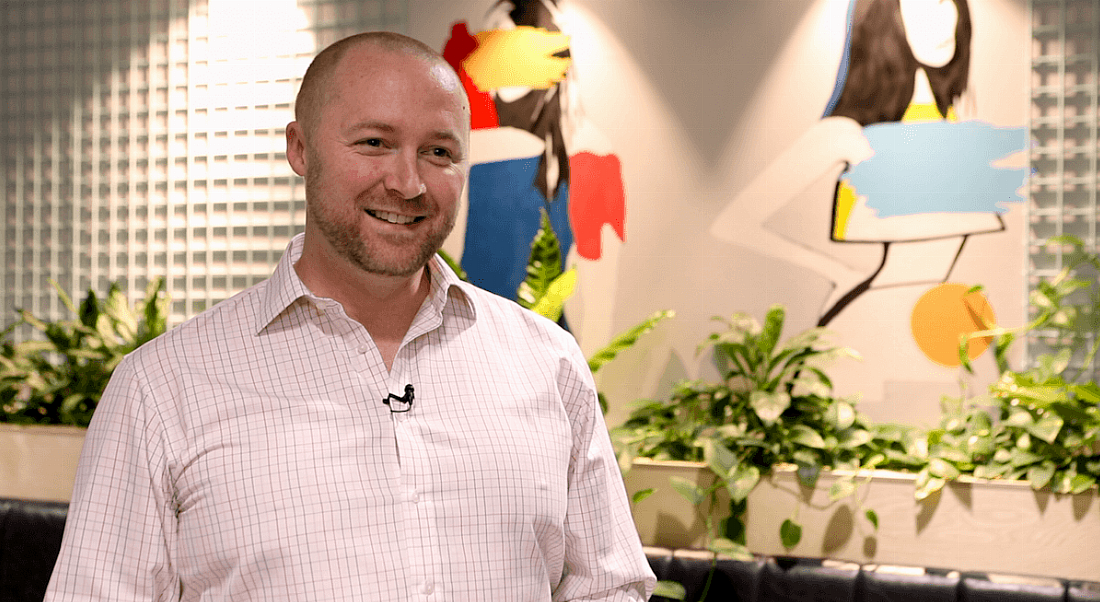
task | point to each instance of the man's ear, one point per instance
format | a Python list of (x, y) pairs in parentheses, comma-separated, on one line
[(296, 148)]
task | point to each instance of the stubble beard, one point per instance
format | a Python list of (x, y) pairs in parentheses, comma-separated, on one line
[(344, 235)]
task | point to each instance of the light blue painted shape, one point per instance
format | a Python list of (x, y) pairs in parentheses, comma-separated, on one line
[(938, 167)]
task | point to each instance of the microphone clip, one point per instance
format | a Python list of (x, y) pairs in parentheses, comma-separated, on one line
[(402, 403)]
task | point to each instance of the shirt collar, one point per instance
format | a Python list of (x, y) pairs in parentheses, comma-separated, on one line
[(285, 287)]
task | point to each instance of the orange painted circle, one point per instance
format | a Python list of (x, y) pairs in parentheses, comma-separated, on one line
[(945, 313)]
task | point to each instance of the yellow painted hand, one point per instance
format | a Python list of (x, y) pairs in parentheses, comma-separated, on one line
[(517, 57)]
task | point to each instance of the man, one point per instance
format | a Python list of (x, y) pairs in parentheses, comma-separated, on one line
[(363, 425)]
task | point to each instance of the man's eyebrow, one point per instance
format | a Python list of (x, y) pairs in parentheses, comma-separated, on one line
[(372, 125), (446, 136)]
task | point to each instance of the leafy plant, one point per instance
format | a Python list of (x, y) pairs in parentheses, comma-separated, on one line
[(1066, 312), (59, 379), (773, 405), (1045, 425), (546, 287)]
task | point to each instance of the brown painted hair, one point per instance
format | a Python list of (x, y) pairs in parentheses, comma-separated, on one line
[(539, 111), (882, 68)]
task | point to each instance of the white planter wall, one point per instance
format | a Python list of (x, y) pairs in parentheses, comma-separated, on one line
[(39, 462), (991, 526), (665, 518)]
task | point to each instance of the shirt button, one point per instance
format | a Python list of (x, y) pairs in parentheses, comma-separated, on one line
[(363, 349), (415, 497), (427, 587)]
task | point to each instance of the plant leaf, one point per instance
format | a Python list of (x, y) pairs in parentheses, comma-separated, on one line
[(790, 533), (719, 457), (641, 495), (32, 347), (808, 474), (841, 415), (773, 328), (1088, 392), (769, 405), (727, 547), (926, 484), (1040, 474), (66, 300), (155, 311), (543, 265), (804, 435), (1047, 427), (625, 340), (855, 438), (1080, 483), (670, 589), (550, 304), (1020, 458), (872, 516), (743, 480), (687, 489), (89, 310), (118, 308), (938, 467), (842, 489), (1019, 417)]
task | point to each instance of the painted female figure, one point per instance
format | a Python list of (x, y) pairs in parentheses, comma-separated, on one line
[(888, 186), (532, 152)]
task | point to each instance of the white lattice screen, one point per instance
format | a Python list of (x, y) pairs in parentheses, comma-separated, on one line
[(144, 138), (1064, 115)]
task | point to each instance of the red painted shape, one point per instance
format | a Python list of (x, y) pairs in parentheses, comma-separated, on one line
[(483, 112), (596, 197)]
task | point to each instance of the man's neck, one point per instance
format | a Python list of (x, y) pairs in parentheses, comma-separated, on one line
[(384, 305)]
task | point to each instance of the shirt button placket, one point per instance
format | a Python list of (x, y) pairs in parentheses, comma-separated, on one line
[(362, 349)]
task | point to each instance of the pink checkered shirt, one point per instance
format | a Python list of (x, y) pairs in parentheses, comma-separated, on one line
[(247, 455)]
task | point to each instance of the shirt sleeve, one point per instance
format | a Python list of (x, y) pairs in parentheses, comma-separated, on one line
[(604, 559), (121, 523)]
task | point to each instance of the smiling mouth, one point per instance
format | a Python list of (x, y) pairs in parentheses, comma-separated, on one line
[(395, 218)]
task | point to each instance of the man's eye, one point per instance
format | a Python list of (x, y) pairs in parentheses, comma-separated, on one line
[(440, 152), (375, 142)]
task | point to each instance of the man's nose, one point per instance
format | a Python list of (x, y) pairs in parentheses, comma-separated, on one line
[(404, 175)]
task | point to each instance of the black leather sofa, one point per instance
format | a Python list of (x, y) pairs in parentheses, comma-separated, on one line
[(30, 537), (817, 580)]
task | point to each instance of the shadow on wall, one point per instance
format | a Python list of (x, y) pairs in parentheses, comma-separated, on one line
[(709, 108)]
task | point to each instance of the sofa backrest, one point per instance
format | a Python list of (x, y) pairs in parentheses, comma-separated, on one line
[(30, 539)]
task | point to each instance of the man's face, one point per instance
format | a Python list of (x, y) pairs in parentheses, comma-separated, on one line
[(385, 162)]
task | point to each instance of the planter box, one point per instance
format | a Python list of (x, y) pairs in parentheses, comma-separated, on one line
[(39, 462), (666, 519), (972, 525)]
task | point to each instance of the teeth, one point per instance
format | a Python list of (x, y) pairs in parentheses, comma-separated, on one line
[(393, 218)]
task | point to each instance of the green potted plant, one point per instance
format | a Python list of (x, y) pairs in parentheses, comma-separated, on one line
[(1011, 472), (772, 407), (1048, 417), (50, 385)]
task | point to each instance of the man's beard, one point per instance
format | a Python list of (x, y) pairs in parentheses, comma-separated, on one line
[(346, 239)]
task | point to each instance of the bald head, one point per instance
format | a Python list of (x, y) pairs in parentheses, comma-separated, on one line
[(316, 81)]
